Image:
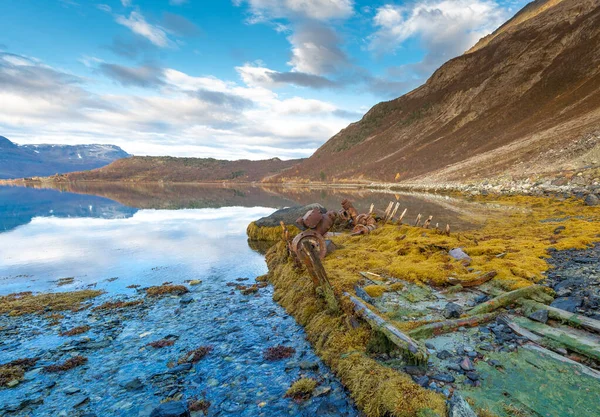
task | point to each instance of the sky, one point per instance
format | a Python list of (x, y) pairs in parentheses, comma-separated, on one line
[(227, 79)]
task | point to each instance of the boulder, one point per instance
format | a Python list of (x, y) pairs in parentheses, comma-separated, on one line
[(570, 304), (287, 215), (459, 254), (459, 407)]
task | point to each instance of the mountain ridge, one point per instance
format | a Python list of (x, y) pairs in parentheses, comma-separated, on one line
[(44, 160), (521, 102)]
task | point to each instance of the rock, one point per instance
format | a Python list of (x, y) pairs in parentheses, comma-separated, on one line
[(487, 347), (321, 391), (421, 380), (467, 365), (592, 200), (569, 304), (308, 365), (540, 315), (13, 383), (443, 377), (452, 311), (180, 368), (444, 354), (133, 385), (287, 215), (171, 409), (459, 407), (559, 229), (459, 254), (473, 376), (414, 370), (72, 390), (186, 299), (454, 367)]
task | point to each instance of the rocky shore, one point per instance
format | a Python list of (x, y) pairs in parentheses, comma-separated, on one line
[(173, 350)]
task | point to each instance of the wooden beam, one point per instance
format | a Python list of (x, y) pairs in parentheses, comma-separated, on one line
[(412, 349), (533, 291), (402, 216), (474, 282), (447, 326), (575, 320)]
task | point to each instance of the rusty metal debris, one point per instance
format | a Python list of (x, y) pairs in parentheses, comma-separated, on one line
[(362, 223), (317, 225)]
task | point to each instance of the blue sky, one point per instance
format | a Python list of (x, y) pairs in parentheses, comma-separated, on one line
[(221, 78)]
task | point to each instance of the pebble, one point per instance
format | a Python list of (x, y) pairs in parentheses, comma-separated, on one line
[(443, 377), (171, 409), (467, 365)]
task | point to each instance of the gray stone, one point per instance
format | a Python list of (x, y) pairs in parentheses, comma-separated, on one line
[(421, 380), (459, 254), (569, 304), (133, 385), (171, 409), (459, 407), (308, 365), (540, 315), (452, 311), (592, 200), (467, 365), (443, 377)]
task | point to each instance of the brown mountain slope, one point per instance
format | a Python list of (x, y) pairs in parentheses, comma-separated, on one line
[(525, 100), (169, 169)]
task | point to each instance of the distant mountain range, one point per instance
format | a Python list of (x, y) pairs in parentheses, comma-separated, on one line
[(45, 160)]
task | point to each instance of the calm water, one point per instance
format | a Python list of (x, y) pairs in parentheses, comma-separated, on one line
[(113, 237)]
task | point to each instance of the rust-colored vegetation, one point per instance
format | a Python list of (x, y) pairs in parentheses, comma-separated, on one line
[(70, 363), (195, 355), (279, 352), (14, 371), (199, 405), (76, 330), (114, 305), (166, 290), (159, 344)]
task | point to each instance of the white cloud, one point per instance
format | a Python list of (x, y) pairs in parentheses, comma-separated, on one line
[(104, 7), (445, 28), (138, 24), (126, 3), (313, 9), (178, 114), (177, 2), (316, 50)]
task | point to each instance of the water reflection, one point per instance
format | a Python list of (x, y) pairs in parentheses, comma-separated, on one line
[(148, 248)]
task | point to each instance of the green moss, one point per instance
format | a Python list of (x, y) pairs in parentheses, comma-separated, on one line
[(302, 389), (270, 234), (27, 303)]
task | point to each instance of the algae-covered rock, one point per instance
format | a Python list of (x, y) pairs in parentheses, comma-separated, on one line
[(287, 215)]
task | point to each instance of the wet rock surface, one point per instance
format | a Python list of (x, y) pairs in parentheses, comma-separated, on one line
[(576, 280), (126, 376), (287, 215)]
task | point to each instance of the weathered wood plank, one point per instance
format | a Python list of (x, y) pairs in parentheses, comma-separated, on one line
[(573, 319), (533, 291), (317, 272), (413, 349), (474, 282), (447, 326)]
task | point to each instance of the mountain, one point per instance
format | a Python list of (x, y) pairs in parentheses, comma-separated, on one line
[(171, 169), (43, 160), (525, 100)]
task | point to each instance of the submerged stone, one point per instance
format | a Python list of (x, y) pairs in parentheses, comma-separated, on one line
[(171, 409)]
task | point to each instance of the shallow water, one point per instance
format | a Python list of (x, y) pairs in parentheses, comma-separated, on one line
[(148, 237)]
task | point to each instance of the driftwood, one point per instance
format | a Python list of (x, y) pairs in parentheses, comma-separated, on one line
[(413, 349), (572, 319), (474, 282), (533, 291), (317, 272), (401, 216), (427, 222), (394, 212), (584, 369), (447, 231), (583, 343), (447, 326), (418, 221)]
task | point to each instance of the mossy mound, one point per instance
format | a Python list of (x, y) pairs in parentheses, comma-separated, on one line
[(268, 233), (379, 391)]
